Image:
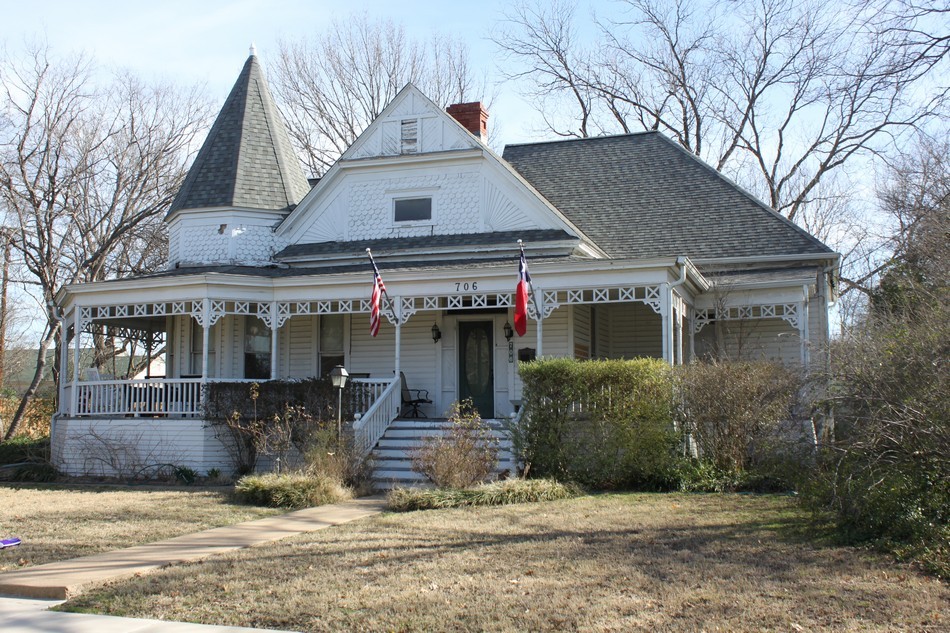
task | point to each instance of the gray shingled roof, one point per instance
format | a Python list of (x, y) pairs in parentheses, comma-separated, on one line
[(385, 246), (642, 195), (247, 159)]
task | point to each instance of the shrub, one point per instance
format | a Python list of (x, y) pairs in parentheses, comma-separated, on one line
[(604, 424), (328, 456), (739, 414), (491, 494), (289, 490), (465, 456), (886, 475), (270, 418)]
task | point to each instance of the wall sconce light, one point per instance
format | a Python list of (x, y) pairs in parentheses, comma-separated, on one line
[(436, 333), (508, 331)]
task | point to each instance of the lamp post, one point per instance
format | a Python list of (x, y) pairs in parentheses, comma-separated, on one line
[(338, 376)]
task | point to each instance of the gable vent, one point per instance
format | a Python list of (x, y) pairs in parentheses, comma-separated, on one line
[(409, 136)]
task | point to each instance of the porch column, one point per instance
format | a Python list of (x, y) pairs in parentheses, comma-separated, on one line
[(539, 307), (666, 318), (205, 336), (77, 328), (803, 326), (397, 312), (274, 367), (691, 324), (63, 363), (679, 338)]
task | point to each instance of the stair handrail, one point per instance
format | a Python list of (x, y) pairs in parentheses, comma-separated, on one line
[(370, 427)]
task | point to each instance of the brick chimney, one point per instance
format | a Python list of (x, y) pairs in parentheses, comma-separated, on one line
[(473, 118)]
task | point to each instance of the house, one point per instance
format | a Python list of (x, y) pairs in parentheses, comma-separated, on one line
[(635, 247)]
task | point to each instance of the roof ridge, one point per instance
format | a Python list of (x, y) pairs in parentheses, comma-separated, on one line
[(584, 139)]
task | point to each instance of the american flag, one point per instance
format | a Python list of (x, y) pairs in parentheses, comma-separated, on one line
[(378, 289)]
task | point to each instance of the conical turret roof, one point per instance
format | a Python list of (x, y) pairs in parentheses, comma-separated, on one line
[(247, 160)]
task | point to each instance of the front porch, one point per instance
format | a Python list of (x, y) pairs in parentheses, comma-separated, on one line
[(451, 339)]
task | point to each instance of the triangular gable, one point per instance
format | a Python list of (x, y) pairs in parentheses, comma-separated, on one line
[(475, 190), (435, 130)]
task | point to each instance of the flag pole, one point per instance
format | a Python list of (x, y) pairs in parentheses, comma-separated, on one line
[(534, 296), (385, 294)]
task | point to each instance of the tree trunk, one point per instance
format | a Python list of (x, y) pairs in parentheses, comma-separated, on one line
[(4, 288), (34, 384)]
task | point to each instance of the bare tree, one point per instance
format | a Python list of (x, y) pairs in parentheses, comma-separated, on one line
[(332, 86), (779, 94), (85, 173)]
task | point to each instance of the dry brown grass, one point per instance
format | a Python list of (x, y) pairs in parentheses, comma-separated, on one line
[(605, 563), (58, 523)]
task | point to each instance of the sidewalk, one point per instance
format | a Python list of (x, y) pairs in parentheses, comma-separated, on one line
[(57, 581), (18, 615)]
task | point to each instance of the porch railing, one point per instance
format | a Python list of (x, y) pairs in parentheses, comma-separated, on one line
[(146, 397), (372, 424), (364, 392)]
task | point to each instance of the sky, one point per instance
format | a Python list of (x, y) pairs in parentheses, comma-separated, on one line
[(207, 41)]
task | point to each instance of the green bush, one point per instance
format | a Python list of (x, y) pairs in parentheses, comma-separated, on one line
[(604, 424), (290, 490), (491, 494), (464, 456)]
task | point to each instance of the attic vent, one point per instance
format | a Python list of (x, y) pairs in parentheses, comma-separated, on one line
[(409, 136)]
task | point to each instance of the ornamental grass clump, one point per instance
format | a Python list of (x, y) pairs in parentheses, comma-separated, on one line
[(492, 494), (290, 490)]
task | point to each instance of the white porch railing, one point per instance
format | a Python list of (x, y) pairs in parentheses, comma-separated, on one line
[(371, 426), (364, 392), (167, 396)]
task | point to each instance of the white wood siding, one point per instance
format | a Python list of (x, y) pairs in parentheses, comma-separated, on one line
[(122, 447), (635, 330), (300, 334), (582, 339)]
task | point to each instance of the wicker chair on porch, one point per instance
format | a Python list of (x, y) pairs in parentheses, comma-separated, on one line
[(410, 403)]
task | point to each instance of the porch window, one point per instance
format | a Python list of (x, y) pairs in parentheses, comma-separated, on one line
[(257, 341), (197, 342), (331, 342)]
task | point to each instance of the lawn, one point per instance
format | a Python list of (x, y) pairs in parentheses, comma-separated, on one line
[(57, 523), (630, 562)]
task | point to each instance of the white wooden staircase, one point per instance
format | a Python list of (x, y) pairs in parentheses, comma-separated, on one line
[(392, 455)]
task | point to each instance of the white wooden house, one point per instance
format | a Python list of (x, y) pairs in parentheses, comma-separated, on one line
[(635, 247)]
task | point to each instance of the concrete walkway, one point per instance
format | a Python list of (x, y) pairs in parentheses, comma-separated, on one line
[(58, 581)]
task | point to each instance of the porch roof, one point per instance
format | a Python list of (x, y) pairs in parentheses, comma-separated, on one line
[(759, 277), (402, 246)]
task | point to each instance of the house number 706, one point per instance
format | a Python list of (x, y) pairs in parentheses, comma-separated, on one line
[(464, 286)]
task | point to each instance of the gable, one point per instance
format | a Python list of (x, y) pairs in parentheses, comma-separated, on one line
[(465, 188), (410, 116)]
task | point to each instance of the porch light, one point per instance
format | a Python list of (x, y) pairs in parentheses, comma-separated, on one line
[(338, 376), (436, 333), (508, 331)]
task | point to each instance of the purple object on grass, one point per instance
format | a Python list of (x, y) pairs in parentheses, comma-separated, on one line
[(9, 542)]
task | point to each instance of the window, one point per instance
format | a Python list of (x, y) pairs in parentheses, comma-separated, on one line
[(331, 342), (197, 343), (409, 136), (256, 349), (412, 210)]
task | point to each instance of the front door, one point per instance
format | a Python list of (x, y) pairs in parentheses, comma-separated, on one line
[(476, 375)]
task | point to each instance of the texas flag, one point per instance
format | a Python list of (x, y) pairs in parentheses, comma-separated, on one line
[(521, 297)]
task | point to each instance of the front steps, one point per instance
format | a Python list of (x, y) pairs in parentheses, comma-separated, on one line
[(392, 456)]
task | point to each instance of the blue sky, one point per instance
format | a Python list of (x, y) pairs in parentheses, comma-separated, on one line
[(207, 40)]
